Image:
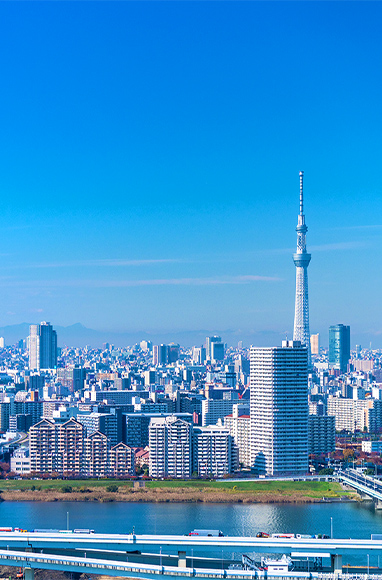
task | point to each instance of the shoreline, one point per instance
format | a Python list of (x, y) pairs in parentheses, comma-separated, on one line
[(171, 496)]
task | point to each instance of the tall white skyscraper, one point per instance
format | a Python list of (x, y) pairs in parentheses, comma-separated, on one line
[(42, 346), (279, 409), (301, 260)]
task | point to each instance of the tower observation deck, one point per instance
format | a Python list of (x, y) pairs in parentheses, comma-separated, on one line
[(301, 260)]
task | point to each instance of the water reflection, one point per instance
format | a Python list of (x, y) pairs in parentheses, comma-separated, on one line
[(350, 520)]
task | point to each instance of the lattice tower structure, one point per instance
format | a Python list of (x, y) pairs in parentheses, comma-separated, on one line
[(301, 260)]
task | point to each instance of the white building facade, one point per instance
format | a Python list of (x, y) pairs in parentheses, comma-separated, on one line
[(239, 426), (279, 409), (214, 451), (170, 442)]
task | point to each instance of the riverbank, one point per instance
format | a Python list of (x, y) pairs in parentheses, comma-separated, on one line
[(175, 491)]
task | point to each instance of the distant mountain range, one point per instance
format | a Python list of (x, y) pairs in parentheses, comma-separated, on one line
[(78, 335)]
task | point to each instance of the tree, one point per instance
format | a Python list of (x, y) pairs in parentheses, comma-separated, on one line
[(348, 453)]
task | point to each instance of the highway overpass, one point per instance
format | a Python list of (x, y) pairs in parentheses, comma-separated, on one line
[(174, 543), (29, 562)]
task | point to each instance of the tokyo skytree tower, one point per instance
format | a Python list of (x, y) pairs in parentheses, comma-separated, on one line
[(301, 260)]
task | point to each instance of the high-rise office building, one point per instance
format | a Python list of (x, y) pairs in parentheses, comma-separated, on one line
[(209, 341), (172, 352), (339, 347), (217, 352), (315, 343), (198, 355), (160, 354), (42, 346), (279, 409), (301, 260)]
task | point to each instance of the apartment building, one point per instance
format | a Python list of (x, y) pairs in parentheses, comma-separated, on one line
[(321, 433), (356, 414), (121, 460), (43, 447), (215, 453), (279, 409), (239, 427), (215, 409), (65, 449), (69, 441), (170, 442), (96, 455)]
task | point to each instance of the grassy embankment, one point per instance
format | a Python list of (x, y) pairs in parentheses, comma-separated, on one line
[(172, 491)]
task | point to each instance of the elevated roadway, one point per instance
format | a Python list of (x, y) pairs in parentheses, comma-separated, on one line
[(204, 545), (31, 561), (364, 484)]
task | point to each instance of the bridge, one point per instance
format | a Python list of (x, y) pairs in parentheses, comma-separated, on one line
[(114, 554), (31, 561), (174, 543), (364, 484)]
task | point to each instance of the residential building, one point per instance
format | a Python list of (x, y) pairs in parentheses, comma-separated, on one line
[(239, 427), (215, 453), (43, 447), (96, 455), (170, 442), (20, 461), (356, 414), (322, 434), (215, 409), (69, 450), (279, 409), (121, 460), (371, 446), (135, 426)]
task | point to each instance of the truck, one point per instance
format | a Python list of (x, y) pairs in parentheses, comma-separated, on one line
[(210, 533)]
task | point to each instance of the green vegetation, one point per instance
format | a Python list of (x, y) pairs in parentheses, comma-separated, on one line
[(66, 489), (307, 488), (291, 489), (57, 484), (112, 488)]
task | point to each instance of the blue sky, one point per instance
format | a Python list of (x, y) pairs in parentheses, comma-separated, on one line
[(149, 164)]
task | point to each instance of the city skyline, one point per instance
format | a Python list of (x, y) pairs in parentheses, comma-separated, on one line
[(149, 163)]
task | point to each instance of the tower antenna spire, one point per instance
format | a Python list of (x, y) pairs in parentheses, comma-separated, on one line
[(301, 193)]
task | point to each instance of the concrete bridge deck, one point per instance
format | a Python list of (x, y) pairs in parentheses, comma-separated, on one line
[(174, 543)]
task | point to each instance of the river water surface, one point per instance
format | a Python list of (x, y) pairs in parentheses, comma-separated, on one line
[(349, 520)]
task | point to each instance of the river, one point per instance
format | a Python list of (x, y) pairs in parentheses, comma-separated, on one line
[(350, 520)]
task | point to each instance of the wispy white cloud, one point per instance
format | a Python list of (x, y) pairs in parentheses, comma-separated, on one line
[(337, 246), (360, 227), (212, 281), (110, 262)]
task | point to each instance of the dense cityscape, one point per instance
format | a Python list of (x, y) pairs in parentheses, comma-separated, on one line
[(163, 411), (190, 376)]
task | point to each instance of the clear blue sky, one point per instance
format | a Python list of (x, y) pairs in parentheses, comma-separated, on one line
[(149, 164)]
